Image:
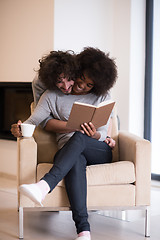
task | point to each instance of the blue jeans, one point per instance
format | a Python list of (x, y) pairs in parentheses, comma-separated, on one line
[(70, 163)]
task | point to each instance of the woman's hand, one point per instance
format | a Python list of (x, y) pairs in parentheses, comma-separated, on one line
[(90, 130), (110, 141), (16, 130)]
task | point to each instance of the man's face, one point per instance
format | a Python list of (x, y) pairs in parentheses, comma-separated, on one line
[(65, 84)]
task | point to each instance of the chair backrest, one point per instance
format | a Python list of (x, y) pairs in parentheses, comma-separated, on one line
[(47, 145)]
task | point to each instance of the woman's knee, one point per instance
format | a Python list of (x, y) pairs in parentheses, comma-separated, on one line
[(78, 136)]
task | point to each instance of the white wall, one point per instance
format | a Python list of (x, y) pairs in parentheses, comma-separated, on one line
[(121, 50), (155, 92), (137, 67), (8, 157), (113, 26), (78, 24)]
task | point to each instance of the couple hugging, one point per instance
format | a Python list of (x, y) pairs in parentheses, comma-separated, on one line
[(62, 79)]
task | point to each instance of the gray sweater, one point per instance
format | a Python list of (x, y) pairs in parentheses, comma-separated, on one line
[(55, 104)]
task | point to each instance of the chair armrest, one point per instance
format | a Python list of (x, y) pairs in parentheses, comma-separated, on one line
[(27, 160), (138, 150)]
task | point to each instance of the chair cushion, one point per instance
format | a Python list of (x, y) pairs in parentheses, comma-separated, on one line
[(121, 172)]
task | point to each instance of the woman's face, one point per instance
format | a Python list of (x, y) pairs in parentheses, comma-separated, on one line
[(82, 85)]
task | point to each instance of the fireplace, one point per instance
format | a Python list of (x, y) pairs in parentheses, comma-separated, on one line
[(15, 100)]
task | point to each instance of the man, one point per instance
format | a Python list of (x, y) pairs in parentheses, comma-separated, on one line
[(61, 66)]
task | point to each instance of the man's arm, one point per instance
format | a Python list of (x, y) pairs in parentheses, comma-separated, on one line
[(53, 125), (38, 89)]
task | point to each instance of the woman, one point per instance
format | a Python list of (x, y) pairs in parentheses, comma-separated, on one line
[(97, 73)]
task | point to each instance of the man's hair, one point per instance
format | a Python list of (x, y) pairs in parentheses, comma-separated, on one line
[(97, 66), (54, 64)]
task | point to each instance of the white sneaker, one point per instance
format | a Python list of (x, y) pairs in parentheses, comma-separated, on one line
[(33, 192), (83, 238)]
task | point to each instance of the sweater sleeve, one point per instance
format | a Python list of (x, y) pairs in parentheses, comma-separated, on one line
[(38, 89), (41, 112), (104, 129)]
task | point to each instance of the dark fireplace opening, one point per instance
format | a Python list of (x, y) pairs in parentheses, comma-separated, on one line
[(15, 101)]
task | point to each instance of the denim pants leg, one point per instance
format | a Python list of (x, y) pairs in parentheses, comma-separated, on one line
[(71, 161), (94, 152), (76, 187), (64, 160)]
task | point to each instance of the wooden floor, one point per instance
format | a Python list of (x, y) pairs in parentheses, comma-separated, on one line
[(59, 225)]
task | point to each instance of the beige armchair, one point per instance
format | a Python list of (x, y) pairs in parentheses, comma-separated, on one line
[(123, 184)]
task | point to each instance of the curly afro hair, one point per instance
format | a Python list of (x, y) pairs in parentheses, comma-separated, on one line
[(54, 64), (97, 66)]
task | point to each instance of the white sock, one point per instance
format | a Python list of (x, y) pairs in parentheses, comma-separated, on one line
[(85, 233), (44, 188)]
